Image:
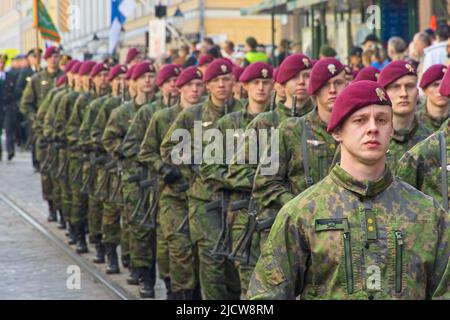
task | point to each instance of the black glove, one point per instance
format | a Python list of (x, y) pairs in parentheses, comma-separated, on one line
[(169, 173)]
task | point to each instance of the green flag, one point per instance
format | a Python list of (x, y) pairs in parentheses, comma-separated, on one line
[(43, 22)]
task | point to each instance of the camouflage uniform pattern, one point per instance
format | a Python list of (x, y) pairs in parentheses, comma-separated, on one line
[(427, 121), (217, 275), (421, 166), (344, 239), (404, 140), (138, 236), (271, 192), (173, 208)]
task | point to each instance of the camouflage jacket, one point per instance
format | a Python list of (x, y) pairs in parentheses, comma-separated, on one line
[(36, 90), (63, 113), (427, 121), (421, 166), (346, 239), (295, 136), (98, 127), (150, 154), (116, 128), (74, 123), (38, 124), (208, 114), (404, 140), (85, 142), (48, 129)]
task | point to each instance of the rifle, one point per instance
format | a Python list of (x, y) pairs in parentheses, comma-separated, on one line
[(241, 252), (62, 172), (146, 186), (294, 106), (77, 175), (49, 160), (224, 242), (109, 166), (169, 100), (93, 162), (273, 101), (101, 191)]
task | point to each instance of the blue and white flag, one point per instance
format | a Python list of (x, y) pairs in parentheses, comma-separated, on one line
[(120, 11)]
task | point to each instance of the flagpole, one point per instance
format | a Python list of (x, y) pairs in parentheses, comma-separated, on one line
[(36, 27)]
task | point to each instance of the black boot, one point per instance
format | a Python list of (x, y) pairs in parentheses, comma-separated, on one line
[(52, 215), (62, 222), (184, 295), (100, 255), (81, 237), (113, 259), (126, 260), (133, 277), (169, 294), (72, 235), (147, 289)]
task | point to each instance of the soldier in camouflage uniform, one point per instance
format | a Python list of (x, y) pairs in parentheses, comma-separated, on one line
[(113, 139), (68, 155), (51, 162), (257, 81), (218, 277), (426, 165), (35, 91), (400, 81), (95, 85), (435, 111), (138, 233), (306, 149), (91, 130), (173, 226), (360, 233)]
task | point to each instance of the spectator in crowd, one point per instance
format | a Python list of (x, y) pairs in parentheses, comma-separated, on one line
[(228, 50), (437, 53), (370, 42), (420, 41), (296, 47), (396, 48), (183, 54), (253, 55), (355, 61), (327, 52), (283, 51)]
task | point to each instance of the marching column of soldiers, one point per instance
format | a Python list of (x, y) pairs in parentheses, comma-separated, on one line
[(355, 208)]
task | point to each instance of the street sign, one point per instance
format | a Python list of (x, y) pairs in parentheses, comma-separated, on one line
[(157, 38)]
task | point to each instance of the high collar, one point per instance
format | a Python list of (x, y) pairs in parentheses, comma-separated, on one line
[(405, 135), (300, 111), (435, 122), (220, 111), (363, 189)]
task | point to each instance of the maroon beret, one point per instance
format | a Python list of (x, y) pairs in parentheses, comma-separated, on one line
[(322, 71), (86, 68), (444, 89), (166, 72), (217, 68), (356, 96), (76, 67), (69, 65), (99, 67), (204, 59), (434, 73), (132, 53), (291, 66), (394, 71), (130, 72), (368, 73), (187, 75), (49, 51), (257, 70), (116, 71), (61, 80), (275, 74), (237, 72), (141, 69)]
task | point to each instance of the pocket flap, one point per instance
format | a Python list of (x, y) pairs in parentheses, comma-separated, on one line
[(330, 224)]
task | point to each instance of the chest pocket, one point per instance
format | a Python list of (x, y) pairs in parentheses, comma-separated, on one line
[(332, 244)]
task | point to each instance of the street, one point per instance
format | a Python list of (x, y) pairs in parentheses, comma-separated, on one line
[(36, 266)]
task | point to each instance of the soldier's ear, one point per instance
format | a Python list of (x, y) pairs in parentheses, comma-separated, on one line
[(337, 134)]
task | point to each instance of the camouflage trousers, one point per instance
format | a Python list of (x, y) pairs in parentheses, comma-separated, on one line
[(238, 228), (162, 254), (64, 183), (78, 214), (140, 235), (218, 276), (46, 181), (173, 233), (112, 210), (95, 202)]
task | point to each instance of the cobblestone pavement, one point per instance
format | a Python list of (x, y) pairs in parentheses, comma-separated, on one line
[(22, 250)]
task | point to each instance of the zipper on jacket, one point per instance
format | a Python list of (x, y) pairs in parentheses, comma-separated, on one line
[(398, 261), (348, 257)]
